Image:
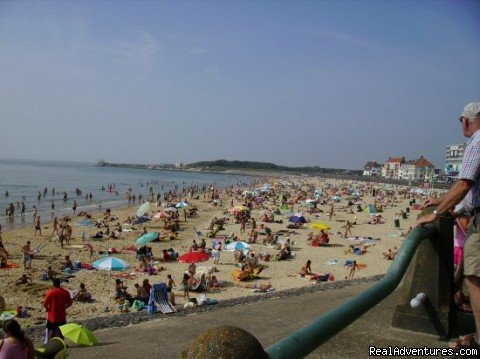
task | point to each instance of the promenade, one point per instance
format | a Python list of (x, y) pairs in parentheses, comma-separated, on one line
[(269, 321)]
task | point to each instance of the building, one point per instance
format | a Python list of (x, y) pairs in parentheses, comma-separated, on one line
[(406, 171), (391, 168), (372, 168), (453, 159), (418, 170), (423, 169)]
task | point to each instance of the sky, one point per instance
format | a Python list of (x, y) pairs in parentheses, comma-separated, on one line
[(298, 83)]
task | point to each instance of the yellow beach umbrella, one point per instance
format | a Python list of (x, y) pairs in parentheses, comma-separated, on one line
[(319, 225), (78, 334)]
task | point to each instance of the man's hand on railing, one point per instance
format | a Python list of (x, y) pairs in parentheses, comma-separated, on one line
[(431, 201), (428, 218)]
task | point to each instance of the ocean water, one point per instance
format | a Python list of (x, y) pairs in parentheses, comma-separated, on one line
[(24, 179)]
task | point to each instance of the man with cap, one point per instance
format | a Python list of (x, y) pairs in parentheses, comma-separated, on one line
[(56, 302), (467, 188)]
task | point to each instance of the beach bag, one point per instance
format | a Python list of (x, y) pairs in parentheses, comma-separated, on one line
[(137, 305)]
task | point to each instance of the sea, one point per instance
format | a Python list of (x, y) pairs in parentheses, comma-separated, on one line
[(26, 180)]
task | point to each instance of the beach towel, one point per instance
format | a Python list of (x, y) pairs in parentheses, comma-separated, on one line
[(11, 265), (332, 262)]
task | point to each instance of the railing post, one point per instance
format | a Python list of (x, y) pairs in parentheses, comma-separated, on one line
[(431, 272)]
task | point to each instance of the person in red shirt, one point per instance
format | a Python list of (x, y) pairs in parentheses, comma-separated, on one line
[(56, 301)]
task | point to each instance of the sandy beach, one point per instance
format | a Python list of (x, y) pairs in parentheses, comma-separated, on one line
[(280, 274)]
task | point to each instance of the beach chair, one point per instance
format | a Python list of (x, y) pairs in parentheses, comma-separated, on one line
[(159, 298), (54, 349)]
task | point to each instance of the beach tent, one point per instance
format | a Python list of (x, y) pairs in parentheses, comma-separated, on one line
[(146, 238), (143, 209), (236, 246), (193, 257), (111, 264), (297, 218), (370, 209), (159, 297)]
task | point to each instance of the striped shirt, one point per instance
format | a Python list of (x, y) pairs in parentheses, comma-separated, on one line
[(471, 171)]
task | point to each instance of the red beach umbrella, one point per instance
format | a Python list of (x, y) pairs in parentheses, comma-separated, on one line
[(193, 257)]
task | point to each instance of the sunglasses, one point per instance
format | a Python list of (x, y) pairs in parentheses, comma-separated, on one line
[(460, 119)]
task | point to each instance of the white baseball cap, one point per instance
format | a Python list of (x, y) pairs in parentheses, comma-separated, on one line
[(472, 110)]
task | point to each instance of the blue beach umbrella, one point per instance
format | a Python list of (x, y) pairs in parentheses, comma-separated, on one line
[(111, 264), (181, 205), (237, 246), (148, 237)]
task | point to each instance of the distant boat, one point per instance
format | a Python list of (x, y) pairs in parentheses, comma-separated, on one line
[(101, 163)]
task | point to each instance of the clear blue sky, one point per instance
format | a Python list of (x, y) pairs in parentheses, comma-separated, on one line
[(327, 83)]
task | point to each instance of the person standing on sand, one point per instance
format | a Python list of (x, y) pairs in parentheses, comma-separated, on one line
[(332, 212), (466, 189), (38, 227), (35, 212), (55, 226), (74, 207), (56, 302), (27, 256)]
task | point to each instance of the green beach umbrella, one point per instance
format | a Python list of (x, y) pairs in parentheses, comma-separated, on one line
[(78, 334), (143, 209)]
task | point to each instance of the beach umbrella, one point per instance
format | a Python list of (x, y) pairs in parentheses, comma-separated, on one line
[(336, 198), (236, 246), (193, 257), (111, 264), (85, 223), (144, 208), (170, 209), (181, 205), (319, 225), (148, 237), (78, 334)]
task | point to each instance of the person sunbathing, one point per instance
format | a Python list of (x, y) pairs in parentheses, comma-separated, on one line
[(141, 293), (121, 293), (306, 269), (143, 266), (67, 263), (24, 280), (83, 295)]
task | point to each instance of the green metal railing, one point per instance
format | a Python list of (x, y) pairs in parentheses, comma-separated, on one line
[(305, 340)]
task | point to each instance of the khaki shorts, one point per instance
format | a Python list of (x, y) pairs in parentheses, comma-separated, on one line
[(471, 249)]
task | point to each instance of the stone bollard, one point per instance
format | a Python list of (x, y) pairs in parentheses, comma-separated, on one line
[(225, 342)]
